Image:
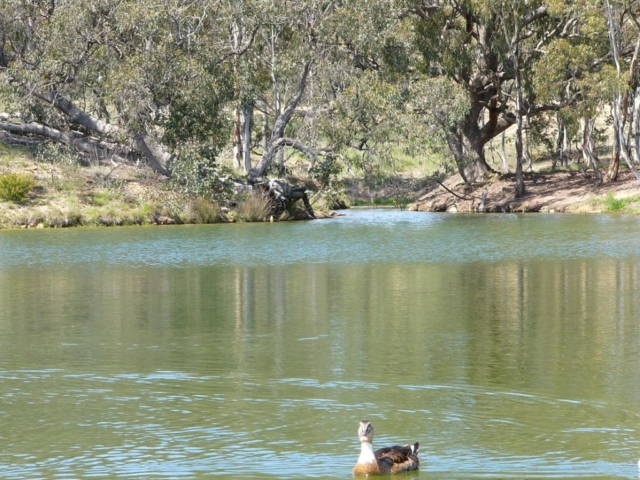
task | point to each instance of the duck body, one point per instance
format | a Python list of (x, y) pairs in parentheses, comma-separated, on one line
[(385, 461)]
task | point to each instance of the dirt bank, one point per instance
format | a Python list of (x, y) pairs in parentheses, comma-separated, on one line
[(573, 191)]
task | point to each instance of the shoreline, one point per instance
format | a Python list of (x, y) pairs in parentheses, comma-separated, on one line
[(557, 192), (125, 194)]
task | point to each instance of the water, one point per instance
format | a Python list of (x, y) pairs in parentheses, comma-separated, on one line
[(508, 345)]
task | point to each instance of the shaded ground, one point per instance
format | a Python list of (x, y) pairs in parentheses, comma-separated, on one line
[(572, 191)]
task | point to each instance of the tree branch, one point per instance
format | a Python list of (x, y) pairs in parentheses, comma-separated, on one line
[(87, 145), (277, 133), (158, 157)]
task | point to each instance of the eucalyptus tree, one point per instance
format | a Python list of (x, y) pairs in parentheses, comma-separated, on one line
[(620, 15), (146, 77), (328, 95), (484, 47)]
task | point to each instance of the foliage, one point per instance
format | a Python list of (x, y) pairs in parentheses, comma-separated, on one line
[(102, 197), (195, 115), (388, 79), (326, 171), (330, 198), (57, 154), (196, 173), (15, 186)]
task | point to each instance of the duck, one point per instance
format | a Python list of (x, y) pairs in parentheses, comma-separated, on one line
[(386, 461)]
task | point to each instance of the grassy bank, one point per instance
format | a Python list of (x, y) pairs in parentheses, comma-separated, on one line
[(66, 194)]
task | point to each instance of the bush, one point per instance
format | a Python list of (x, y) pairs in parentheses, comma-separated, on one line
[(200, 175), (15, 186)]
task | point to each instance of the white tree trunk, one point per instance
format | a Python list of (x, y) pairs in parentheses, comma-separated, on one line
[(636, 126), (246, 137), (588, 146), (503, 152)]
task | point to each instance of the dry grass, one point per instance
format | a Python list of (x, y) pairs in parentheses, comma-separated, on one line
[(69, 195), (206, 211), (255, 208)]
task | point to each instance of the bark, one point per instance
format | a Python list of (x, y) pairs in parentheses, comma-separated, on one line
[(520, 187), (75, 114), (265, 131), (237, 140), (455, 141), (156, 155), (282, 195), (486, 80), (236, 37), (636, 126), (560, 142), (503, 152)]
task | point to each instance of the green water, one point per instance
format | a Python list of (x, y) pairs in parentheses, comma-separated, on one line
[(508, 345)]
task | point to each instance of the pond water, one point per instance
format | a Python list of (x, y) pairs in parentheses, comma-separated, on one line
[(508, 345)]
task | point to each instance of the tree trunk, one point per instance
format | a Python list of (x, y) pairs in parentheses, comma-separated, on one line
[(636, 126), (265, 131), (527, 147), (588, 149), (237, 140), (466, 145), (503, 152), (277, 132), (155, 153), (87, 145), (236, 137), (560, 143), (520, 188), (455, 141), (246, 138), (620, 101)]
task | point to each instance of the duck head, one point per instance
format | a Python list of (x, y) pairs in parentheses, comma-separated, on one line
[(365, 431)]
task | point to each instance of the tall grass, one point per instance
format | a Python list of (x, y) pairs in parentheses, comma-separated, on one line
[(205, 211), (255, 208), (617, 205)]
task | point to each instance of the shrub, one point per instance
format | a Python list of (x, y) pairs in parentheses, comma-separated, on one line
[(196, 174), (102, 198), (15, 186)]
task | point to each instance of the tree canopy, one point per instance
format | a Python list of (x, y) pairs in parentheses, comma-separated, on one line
[(345, 83)]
